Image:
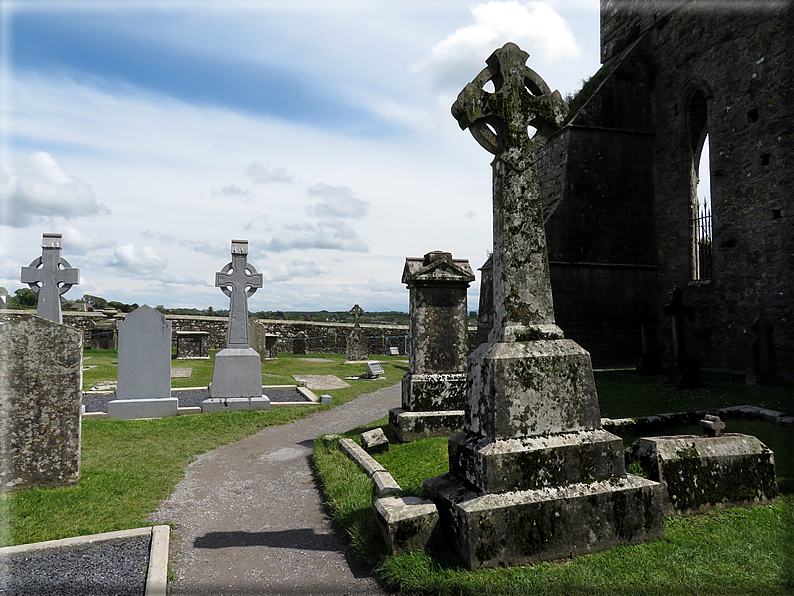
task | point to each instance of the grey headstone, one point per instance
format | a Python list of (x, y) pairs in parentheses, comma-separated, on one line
[(192, 345), (238, 280), (357, 348), (144, 355), (41, 396), (50, 276)]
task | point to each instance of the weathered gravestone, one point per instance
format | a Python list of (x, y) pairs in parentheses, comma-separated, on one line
[(434, 388), (485, 314), (104, 335), (192, 345), (144, 372), (263, 342), (533, 476), (50, 276), (764, 353), (357, 349), (683, 371), (41, 393), (237, 373)]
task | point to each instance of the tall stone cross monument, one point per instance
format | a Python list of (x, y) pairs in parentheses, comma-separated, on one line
[(238, 280), (50, 276), (237, 372), (533, 476)]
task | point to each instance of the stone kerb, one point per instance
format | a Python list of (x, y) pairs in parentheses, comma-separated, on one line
[(434, 388), (40, 402)]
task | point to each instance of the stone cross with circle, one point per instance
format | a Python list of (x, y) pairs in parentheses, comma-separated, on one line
[(50, 276), (238, 280)]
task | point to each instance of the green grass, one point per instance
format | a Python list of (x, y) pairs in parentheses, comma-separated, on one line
[(129, 466), (736, 551)]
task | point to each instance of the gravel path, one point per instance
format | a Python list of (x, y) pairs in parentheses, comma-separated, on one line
[(115, 568), (249, 518)]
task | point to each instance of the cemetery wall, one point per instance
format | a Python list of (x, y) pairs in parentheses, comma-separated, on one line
[(622, 174)]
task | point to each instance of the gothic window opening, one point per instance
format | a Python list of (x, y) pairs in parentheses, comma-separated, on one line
[(701, 251)]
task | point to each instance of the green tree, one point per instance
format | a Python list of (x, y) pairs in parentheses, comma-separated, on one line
[(96, 301), (25, 298)]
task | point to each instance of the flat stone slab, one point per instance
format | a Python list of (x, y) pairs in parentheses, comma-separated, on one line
[(315, 359), (135, 409), (104, 386), (702, 473), (321, 382), (406, 523), (181, 373)]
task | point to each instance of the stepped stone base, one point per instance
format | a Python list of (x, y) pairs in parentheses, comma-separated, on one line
[(535, 462), (134, 409), (237, 373), (521, 527), (410, 426)]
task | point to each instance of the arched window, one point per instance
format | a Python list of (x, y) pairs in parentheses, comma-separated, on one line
[(700, 191)]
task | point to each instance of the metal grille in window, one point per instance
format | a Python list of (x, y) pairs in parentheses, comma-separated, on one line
[(701, 241)]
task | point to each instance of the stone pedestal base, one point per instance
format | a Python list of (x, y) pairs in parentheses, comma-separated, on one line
[(133, 409), (237, 373), (535, 462), (433, 392), (233, 404), (410, 426), (520, 527)]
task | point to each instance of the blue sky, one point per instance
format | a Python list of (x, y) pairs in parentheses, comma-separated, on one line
[(152, 133)]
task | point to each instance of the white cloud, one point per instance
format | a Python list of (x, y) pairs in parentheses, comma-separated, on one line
[(40, 189), (535, 27), (131, 261), (233, 191), (259, 174), (75, 243), (336, 201), (332, 234)]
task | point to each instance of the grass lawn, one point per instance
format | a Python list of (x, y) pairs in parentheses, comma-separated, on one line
[(736, 551), (129, 466)]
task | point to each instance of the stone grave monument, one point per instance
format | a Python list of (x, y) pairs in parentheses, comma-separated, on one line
[(485, 312), (41, 394), (683, 371), (192, 345), (263, 342), (434, 388), (357, 348), (237, 373), (533, 476), (144, 374), (50, 276), (764, 353)]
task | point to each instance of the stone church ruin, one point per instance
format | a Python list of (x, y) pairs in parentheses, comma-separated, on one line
[(625, 219)]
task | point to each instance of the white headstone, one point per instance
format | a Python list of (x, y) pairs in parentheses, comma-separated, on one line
[(144, 355)]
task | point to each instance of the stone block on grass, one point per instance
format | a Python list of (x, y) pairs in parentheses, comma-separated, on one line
[(374, 441), (407, 523)]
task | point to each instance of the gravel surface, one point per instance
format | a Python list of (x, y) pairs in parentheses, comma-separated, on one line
[(98, 401), (112, 568)]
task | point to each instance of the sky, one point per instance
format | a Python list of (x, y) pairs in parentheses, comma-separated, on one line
[(151, 134)]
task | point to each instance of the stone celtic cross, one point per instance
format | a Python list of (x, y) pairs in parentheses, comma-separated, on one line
[(238, 280), (500, 122), (50, 276), (356, 311)]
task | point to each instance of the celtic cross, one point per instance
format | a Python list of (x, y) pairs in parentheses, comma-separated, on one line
[(238, 280), (356, 311), (500, 121), (50, 276)]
